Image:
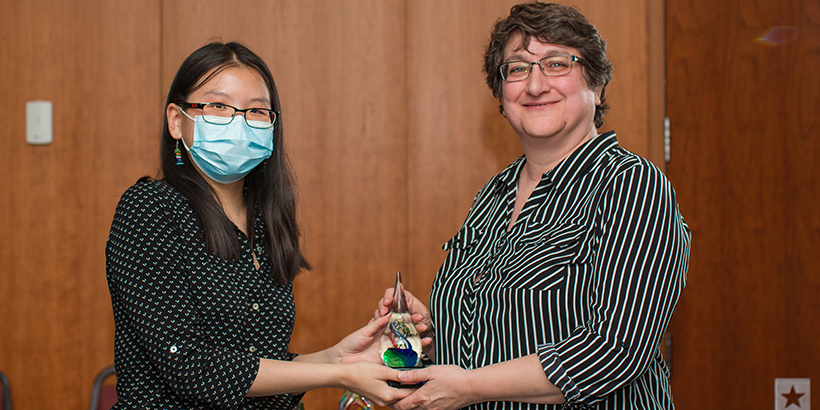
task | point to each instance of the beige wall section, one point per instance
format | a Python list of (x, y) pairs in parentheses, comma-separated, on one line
[(387, 120)]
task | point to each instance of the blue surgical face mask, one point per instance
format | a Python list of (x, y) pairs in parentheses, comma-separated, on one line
[(226, 153)]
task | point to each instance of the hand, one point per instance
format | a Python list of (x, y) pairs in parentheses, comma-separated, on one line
[(363, 344), (419, 312), (446, 387), (370, 380)]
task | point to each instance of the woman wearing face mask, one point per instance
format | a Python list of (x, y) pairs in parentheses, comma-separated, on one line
[(200, 262)]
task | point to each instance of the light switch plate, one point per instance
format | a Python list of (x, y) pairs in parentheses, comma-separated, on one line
[(39, 125), (792, 394)]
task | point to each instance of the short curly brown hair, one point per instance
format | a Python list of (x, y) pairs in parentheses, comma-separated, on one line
[(554, 24)]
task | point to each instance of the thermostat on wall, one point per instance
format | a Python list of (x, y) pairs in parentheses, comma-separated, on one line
[(39, 129)]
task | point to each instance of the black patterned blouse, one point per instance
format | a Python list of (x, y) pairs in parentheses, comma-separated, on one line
[(190, 326)]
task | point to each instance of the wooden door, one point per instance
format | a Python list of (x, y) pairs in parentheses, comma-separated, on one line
[(744, 101)]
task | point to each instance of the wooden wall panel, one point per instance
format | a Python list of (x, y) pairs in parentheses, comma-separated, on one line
[(388, 123), (745, 160), (629, 31), (339, 69), (96, 62), (457, 139)]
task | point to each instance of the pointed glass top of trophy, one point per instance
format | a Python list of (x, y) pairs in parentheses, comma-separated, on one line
[(399, 304)]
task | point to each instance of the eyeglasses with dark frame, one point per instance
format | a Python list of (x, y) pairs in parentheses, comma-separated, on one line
[(223, 114), (551, 66)]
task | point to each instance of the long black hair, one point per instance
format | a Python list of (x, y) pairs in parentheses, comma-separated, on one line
[(269, 191)]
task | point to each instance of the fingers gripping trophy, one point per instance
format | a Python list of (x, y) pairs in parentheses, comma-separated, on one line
[(400, 347)]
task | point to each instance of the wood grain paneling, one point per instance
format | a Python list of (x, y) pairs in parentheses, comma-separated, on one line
[(388, 123), (96, 62), (744, 163), (457, 139)]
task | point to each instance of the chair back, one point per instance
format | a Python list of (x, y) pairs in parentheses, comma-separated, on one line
[(103, 395), (5, 393)]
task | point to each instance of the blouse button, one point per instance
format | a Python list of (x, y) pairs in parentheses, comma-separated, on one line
[(255, 306), (173, 349), (252, 349)]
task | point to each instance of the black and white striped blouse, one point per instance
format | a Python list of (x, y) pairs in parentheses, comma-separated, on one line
[(587, 278)]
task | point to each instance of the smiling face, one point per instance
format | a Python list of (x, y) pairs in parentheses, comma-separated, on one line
[(559, 110)]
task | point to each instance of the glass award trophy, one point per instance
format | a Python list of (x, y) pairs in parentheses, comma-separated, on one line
[(352, 401), (400, 344)]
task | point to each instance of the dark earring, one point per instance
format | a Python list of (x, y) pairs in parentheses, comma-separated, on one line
[(178, 154)]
